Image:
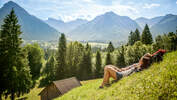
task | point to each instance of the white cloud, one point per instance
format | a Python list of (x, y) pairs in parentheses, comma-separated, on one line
[(148, 6), (92, 10), (88, 1), (176, 2), (68, 10)]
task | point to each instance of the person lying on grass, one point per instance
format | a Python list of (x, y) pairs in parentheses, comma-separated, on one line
[(117, 73)]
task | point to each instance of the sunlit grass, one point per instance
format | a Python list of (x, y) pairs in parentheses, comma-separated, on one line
[(157, 82)]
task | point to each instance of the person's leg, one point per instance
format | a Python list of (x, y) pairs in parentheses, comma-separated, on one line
[(109, 71), (106, 76), (116, 68)]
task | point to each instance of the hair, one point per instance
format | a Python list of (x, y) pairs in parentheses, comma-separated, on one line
[(145, 61)]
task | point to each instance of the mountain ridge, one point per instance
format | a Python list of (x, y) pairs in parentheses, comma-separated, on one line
[(108, 26), (167, 24), (65, 27), (142, 21)]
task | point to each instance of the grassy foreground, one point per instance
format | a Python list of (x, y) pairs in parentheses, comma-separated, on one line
[(157, 82)]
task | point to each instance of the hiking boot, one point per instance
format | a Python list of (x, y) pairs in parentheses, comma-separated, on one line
[(101, 87), (114, 81), (107, 85)]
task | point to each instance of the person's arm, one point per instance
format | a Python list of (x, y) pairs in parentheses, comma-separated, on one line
[(126, 68), (134, 65), (121, 69)]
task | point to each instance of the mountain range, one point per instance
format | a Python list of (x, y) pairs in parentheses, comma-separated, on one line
[(112, 27), (65, 27), (106, 27), (167, 24), (142, 21), (159, 25), (32, 27)]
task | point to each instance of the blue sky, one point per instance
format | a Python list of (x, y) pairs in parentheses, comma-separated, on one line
[(88, 9)]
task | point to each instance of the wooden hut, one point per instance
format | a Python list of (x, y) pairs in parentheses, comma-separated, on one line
[(58, 88)]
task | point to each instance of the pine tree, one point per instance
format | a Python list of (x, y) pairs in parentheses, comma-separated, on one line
[(48, 52), (89, 64), (82, 68), (108, 58), (75, 51), (133, 37), (158, 43), (137, 35), (110, 47), (88, 47), (36, 59), (85, 69), (69, 59), (15, 75), (130, 38), (88, 60), (50, 69), (24, 78), (120, 61), (146, 37), (61, 58), (98, 65)]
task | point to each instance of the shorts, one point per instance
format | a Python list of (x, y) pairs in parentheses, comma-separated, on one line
[(119, 75)]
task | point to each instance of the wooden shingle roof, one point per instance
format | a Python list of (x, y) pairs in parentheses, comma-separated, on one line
[(67, 84)]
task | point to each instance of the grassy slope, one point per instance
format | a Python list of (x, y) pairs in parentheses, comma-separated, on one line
[(33, 95), (157, 82)]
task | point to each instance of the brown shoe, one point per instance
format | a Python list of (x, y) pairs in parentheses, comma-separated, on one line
[(113, 81), (107, 85)]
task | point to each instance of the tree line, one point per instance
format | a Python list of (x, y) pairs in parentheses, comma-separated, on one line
[(21, 66)]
